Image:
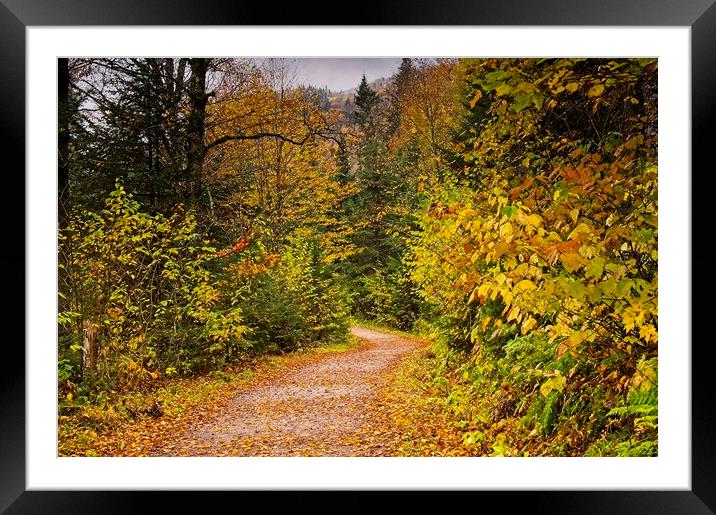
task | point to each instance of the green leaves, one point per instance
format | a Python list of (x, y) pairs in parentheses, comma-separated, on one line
[(595, 268)]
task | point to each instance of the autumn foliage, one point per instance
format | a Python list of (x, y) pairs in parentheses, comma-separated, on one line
[(506, 208), (541, 250)]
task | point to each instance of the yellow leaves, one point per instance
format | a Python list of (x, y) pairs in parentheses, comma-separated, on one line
[(474, 226), (534, 220), (593, 258), (528, 324), (475, 99), (497, 251), (525, 285), (634, 317), (503, 90), (506, 230), (481, 293), (573, 341), (556, 383), (484, 290), (645, 378), (595, 268), (648, 333), (531, 221), (576, 338), (450, 230), (581, 230), (510, 262), (596, 90), (631, 317), (506, 296), (572, 261)]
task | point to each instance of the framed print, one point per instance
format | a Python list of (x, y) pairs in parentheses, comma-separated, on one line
[(190, 103)]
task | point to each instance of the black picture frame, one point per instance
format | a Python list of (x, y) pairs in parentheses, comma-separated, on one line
[(699, 15)]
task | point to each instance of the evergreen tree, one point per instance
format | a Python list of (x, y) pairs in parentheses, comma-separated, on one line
[(365, 101), (403, 76), (399, 88)]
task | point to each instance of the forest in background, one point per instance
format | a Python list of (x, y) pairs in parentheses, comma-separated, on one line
[(211, 210)]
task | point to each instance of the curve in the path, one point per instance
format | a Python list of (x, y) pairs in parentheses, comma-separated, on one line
[(320, 408)]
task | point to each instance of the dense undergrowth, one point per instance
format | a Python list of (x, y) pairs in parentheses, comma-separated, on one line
[(455, 407)]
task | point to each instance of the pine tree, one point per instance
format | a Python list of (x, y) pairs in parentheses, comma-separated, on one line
[(365, 101), (399, 89), (403, 76)]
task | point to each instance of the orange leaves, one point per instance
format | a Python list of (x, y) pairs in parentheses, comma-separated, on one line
[(569, 246), (272, 260)]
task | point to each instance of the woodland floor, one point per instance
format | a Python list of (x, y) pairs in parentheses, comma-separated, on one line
[(332, 404)]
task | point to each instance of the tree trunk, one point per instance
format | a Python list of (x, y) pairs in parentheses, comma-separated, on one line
[(196, 128), (90, 348), (63, 141)]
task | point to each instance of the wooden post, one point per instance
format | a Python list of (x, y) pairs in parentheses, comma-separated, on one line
[(90, 347)]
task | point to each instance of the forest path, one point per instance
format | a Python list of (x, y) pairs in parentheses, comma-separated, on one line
[(326, 407)]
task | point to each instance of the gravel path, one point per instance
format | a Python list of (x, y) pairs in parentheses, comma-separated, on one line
[(325, 407)]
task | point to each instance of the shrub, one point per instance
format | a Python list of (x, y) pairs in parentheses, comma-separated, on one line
[(142, 282)]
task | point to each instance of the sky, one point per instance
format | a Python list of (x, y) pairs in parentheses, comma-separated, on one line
[(342, 73)]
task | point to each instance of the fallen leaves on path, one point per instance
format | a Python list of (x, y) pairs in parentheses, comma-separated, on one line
[(415, 418), (309, 404), (324, 407), (121, 427)]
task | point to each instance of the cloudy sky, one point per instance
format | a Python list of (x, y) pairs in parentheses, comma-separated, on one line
[(342, 73)]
